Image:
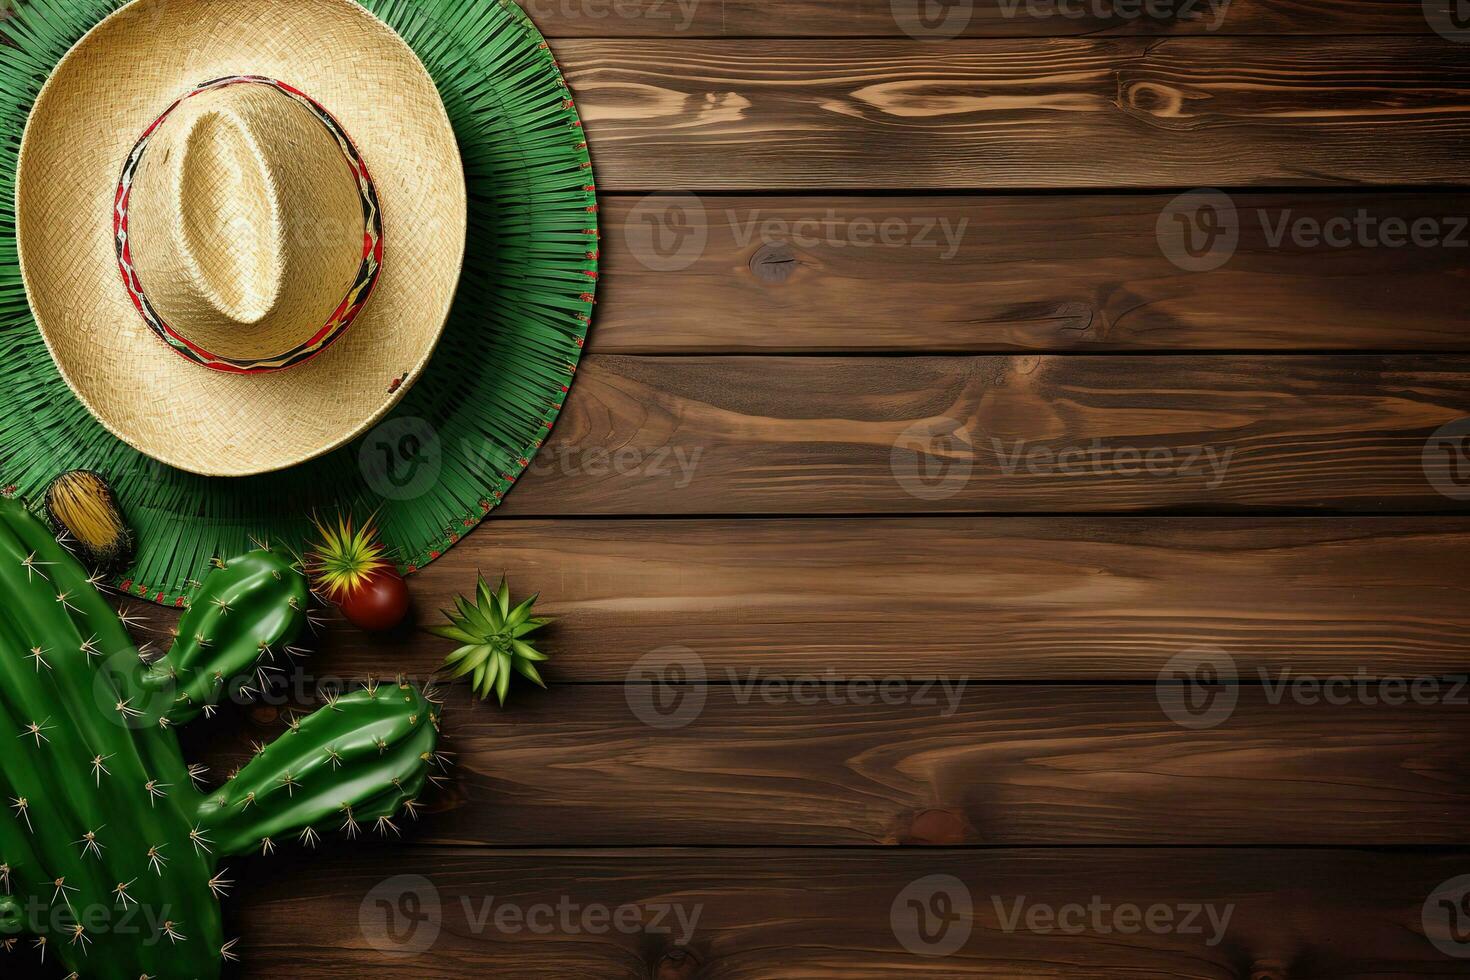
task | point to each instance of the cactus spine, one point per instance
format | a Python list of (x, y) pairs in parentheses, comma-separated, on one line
[(108, 853)]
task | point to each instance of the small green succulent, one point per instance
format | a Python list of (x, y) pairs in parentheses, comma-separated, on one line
[(494, 637)]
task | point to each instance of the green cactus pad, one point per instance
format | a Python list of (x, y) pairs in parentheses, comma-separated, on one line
[(108, 852), (247, 615)]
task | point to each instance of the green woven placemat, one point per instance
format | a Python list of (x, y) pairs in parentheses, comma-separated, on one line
[(451, 450)]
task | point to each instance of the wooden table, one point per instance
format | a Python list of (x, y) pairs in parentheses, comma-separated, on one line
[(904, 384)]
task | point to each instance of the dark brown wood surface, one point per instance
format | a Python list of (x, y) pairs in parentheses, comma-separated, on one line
[(982, 18), (888, 329), (818, 115), (979, 274), (827, 914), (758, 757), (1025, 433), (1004, 599)]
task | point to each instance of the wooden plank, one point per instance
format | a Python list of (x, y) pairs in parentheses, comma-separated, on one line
[(983, 18), (830, 914), (787, 757), (720, 274), (964, 18), (793, 435), (821, 115), (991, 598)]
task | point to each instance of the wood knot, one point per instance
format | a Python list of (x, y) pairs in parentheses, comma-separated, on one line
[(773, 262), (676, 964), (934, 826), (1267, 970), (1160, 104), (264, 715)]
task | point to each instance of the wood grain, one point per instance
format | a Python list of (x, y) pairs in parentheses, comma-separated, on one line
[(763, 435), (782, 757), (823, 115), (721, 274), (984, 18), (991, 598), (760, 914)]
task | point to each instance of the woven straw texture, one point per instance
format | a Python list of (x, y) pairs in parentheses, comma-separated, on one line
[(249, 216), (448, 453), (85, 123)]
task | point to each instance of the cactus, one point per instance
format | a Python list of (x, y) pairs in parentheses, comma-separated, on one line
[(109, 854)]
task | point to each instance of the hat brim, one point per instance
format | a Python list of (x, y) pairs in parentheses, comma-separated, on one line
[(447, 455), (103, 94)]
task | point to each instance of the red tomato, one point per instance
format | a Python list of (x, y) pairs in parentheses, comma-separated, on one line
[(381, 604)]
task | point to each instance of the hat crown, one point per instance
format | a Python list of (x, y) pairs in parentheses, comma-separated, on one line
[(246, 221), (230, 217)]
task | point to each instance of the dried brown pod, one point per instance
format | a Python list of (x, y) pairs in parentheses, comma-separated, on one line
[(82, 504)]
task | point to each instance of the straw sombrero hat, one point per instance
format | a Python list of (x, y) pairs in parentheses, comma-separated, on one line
[(238, 239), (287, 225)]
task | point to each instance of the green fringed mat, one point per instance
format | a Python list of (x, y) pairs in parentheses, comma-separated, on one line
[(452, 449)]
